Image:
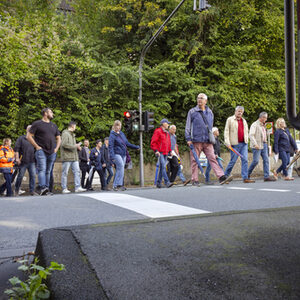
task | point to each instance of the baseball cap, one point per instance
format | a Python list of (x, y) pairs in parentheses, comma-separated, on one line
[(164, 121)]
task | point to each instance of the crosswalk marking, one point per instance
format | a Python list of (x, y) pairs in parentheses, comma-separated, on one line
[(239, 188), (148, 207), (274, 190)]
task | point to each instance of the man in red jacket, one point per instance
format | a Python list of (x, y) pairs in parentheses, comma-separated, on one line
[(161, 145)]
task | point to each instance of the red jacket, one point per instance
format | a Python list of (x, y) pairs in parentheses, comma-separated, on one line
[(161, 141)]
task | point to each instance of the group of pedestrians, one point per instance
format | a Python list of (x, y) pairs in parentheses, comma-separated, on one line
[(202, 136), (37, 151)]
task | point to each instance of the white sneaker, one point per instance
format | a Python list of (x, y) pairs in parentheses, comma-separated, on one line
[(80, 189), (66, 191), (21, 192)]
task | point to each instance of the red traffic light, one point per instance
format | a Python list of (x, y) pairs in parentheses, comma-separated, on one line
[(127, 114)]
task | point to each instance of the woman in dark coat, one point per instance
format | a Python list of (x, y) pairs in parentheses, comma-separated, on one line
[(283, 141), (117, 146)]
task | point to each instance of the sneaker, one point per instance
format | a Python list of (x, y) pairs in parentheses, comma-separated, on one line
[(44, 191), (248, 181), (66, 191), (115, 188), (187, 182), (122, 188), (21, 192), (269, 179), (158, 186), (209, 183), (170, 184), (80, 189), (195, 183), (225, 179), (34, 194), (274, 174), (49, 194)]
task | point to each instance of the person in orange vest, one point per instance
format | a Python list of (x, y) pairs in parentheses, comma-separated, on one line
[(7, 157)]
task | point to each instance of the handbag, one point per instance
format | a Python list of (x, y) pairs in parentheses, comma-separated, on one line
[(211, 136)]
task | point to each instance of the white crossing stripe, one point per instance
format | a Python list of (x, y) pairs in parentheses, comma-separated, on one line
[(145, 206), (213, 186), (239, 188), (274, 190)]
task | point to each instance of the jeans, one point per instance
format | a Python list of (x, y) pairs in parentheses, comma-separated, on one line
[(180, 174), (242, 148), (64, 175), (7, 184), (110, 171), (208, 168), (163, 159), (120, 166), (285, 158), (31, 170), (44, 166), (265, 157)]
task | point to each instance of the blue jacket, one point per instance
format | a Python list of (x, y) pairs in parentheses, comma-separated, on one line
[(118, 144), (97, 159), (283, 141), (195, 128)]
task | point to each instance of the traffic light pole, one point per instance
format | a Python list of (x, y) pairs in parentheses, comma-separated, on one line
[(143, 54)]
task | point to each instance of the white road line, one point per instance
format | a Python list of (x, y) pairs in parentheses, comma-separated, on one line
[(274, 190), (239, 188), (213, 186), (145, 206)]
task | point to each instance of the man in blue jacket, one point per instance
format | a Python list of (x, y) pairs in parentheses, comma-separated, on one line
[(196, 132)]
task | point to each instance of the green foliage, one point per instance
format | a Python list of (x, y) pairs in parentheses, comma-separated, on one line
[(84, 65), (34, 287)]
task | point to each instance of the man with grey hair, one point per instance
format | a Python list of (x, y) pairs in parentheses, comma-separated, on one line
[(259, 145), (199, 121), (236, 136)]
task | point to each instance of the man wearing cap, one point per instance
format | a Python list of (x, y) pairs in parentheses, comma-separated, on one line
[(161, 145), (199, 121)]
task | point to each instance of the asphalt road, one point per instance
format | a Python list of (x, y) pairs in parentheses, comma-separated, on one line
[(21, 218)]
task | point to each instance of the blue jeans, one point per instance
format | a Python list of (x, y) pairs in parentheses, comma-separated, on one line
[(65, 170), (44, 166), (163, 160), (285, 158), (7, 184), (31, 170), (208, 169), (120, 166), (242, 148), (180, 174), (265, 157), (109, 169)]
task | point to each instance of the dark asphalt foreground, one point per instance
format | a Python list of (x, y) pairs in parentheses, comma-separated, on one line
[(240, 255)]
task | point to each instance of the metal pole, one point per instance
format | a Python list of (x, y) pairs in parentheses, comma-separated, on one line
[(144, 51)]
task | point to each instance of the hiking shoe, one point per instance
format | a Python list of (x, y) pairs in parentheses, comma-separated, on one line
[(225, 179), (80, 189), (66, 191), (195, 183), (187, 182), (44, 191)]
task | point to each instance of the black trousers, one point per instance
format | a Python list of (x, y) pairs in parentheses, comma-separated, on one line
[(174, 166), (91, 176), (84, 171)]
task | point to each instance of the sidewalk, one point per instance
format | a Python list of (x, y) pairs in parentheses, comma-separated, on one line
[(240, 255)]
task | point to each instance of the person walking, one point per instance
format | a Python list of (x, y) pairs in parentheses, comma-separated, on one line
[(282, 143), (236, 136), (24, 152), (97, 164), (217, 151), (84, 162), (109, 166), (161, 145), (7, 157), (259, 145), (197, 132), (117, 146), (69, 155), (45, 138), (173, 159)]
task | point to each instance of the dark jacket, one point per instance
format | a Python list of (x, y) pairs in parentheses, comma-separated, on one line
[(25, 150), (161, 141), (217, 147), (283, 141), (105, 153), (96, 158), (118, 144), (195, 128), (83, 158)]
